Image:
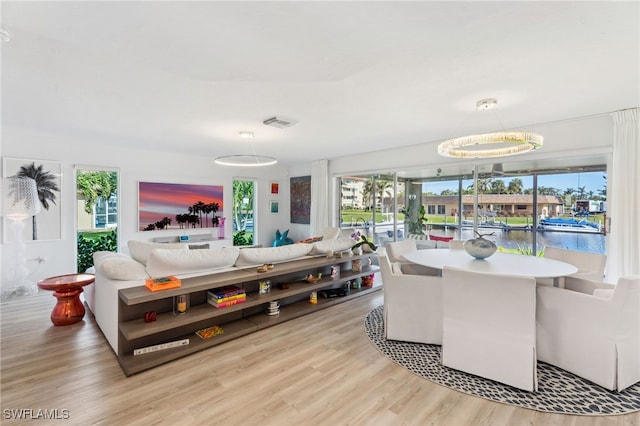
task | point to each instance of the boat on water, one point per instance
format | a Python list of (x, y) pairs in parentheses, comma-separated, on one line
[(568, 225)]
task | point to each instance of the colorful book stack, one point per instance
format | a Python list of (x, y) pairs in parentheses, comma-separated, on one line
[(226, 296)]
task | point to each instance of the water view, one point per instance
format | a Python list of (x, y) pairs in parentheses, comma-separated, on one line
[(520, 239), (592, 243)]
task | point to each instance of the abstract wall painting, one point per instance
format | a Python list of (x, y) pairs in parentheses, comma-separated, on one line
[(301, 199)]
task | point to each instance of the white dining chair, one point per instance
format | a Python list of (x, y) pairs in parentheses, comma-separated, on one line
[(456, 244), (592, 329), (397, 249), (489, 326), (412, 304), (590, 266)]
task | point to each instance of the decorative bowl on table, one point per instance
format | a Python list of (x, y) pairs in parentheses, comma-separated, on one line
[(480, 247)]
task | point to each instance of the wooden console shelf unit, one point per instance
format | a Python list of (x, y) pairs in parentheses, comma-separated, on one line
[(236, 320)]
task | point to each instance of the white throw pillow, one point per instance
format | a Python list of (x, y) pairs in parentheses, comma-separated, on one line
[(100, 256), (163, 262), (140, 250), (335, 245), (119, 267), (262, 255)]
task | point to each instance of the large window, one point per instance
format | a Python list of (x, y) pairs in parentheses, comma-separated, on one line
[(368, 204), (97, 213), (244, 226), (518, 207)]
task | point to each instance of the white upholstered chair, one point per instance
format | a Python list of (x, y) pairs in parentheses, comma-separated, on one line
[(456, 244), (489, 326), (412, 304), (590, 265), (593, 332), (397, 249)]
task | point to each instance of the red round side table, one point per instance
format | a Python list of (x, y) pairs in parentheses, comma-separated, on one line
[(67, 288)]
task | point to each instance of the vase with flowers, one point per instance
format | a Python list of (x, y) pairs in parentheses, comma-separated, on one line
[(362, 243)]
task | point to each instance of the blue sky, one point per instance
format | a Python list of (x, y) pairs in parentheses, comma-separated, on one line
[(592, 181)]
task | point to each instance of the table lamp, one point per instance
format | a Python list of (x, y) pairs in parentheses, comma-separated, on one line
[(20, 202)]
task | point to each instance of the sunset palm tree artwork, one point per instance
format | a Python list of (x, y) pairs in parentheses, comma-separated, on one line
[(164, 206)]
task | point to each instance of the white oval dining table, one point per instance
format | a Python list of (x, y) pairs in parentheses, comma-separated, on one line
[(499, 263)]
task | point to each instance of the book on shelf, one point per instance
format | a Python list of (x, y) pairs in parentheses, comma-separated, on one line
[(226, 291), (226, 298), (225, 304), (160, 347), (162, 283), (209, 332)]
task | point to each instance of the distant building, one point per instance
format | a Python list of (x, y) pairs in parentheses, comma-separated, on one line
[(494, 205), (351, 192)]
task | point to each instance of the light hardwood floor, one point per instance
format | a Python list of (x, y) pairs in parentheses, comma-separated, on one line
[(319, 369)]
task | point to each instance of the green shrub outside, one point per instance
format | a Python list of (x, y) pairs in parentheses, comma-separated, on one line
[(242, 238), (91, 243)]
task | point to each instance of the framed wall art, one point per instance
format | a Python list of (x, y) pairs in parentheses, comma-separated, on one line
[(274, 207), (275, 188), (46, 224), (301, 199), (163, 206)]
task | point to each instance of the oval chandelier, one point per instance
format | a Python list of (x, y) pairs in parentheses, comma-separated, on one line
[(497, 144), (487, 145)]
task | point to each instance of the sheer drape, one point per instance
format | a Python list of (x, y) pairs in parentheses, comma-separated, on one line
[(319, 196), (624, 200)]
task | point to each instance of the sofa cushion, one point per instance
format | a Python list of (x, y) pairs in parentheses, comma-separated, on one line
[(117, 266), (262, 255), (164, 262), (140, 250), (335, 245)]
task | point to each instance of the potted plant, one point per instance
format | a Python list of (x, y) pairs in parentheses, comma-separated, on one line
[(415, 220), (362, 241)]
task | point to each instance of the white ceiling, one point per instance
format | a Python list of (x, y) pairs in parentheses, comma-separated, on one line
[(354, 76)]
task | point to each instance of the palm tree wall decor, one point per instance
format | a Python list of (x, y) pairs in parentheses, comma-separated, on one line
[(47, 185)]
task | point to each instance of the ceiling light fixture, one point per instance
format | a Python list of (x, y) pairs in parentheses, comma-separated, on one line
[(487, 145), (245, 160)]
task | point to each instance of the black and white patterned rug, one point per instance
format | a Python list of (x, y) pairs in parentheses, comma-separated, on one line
[(558, 391)]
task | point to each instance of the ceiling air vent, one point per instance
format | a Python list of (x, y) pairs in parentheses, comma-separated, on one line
[(277, 122)]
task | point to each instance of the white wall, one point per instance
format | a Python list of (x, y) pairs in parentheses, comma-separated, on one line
[(135, 166), (582, 137), (579, 137)]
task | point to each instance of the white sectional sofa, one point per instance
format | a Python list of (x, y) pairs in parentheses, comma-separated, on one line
[(116, 271)]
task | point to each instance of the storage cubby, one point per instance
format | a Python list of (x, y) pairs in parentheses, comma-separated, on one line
[(236, 320)]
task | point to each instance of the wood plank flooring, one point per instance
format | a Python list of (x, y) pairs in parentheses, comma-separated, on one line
[(319, 369)]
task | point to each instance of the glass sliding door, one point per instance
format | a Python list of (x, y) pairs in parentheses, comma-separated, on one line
[(572, 211)]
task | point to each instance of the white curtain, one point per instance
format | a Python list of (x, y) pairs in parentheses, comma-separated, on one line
[(624, 199), (319, 196)]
